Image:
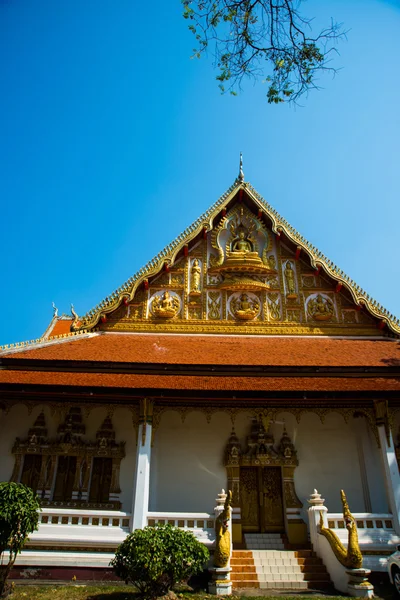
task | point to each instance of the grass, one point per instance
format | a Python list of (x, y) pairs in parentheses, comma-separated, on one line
[(109, 592)]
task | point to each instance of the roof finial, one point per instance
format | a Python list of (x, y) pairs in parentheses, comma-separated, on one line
[(241, 174), (73, 312), (55, 310)]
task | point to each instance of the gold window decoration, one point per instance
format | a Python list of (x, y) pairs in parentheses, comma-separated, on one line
[(69, 470)]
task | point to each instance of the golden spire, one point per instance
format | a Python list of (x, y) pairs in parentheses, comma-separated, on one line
[(241, 174)]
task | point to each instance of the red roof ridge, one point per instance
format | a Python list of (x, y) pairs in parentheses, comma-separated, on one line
[(45, 341)]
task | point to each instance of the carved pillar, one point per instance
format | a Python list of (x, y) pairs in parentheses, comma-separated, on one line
[(233, 473), (389, 462), (143, 457), (296, 527)]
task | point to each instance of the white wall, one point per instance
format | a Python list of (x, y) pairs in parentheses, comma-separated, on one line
[(187, 460), (187, 468)]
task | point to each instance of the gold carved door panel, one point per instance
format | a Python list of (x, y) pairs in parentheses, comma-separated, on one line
[(271, 499), (249, 499), (261, 499)]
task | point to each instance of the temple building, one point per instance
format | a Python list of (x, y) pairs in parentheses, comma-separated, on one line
[(240, 358)]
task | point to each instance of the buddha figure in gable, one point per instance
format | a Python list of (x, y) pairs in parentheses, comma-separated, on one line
[(241, 244)]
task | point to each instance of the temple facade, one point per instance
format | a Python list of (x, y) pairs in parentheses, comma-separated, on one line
[(239, 358)]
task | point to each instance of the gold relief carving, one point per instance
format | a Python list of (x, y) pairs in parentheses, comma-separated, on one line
[(195, 277), (165, 305), (278, 328), (249, 497), (272, 282), (272, 497), (320, 308), (214, 279), (293, 315), (177, 279), (274, 306), (245, 307), (308, 281), (134, 311), (290, 275), (195, 312), (214, 305), (163, 279), (291, 498), (349, 316), (270, 261)]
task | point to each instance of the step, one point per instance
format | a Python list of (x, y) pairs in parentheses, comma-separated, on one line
[(245, 584), (241, 561), (279, 569), (244, 576), (283, 585)]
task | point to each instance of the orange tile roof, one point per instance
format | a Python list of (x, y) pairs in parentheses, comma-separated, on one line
[(189, 382), (60, 327), (220, 350)]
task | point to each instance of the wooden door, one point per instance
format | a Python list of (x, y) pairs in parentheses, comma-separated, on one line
[(261, 499), (271, 499)]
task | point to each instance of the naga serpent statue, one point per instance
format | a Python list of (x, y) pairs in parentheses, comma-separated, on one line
[(351, 558), (223, 537)]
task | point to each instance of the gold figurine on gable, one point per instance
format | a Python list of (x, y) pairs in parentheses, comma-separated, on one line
[(195, 278), (245, 308), (242, 244), (165, 306), (320, 308), (290, 281)]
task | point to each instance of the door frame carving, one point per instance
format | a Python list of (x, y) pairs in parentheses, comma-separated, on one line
[(261, 452)]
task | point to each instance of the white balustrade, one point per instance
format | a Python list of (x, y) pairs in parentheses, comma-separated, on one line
[(364, 521), (200, 524)]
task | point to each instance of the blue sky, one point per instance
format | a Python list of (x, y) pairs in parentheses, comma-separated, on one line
[(112, 141)]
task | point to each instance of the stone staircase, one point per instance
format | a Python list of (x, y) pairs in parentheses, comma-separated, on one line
[(266, 564)]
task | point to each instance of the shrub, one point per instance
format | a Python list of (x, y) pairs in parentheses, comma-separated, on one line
[(19, 516), (156, 558)]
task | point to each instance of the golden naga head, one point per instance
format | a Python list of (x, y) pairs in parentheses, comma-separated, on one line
[(347, 516)]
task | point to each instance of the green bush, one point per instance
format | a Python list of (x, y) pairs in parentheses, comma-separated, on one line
[(156, 558), (19, 516)]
